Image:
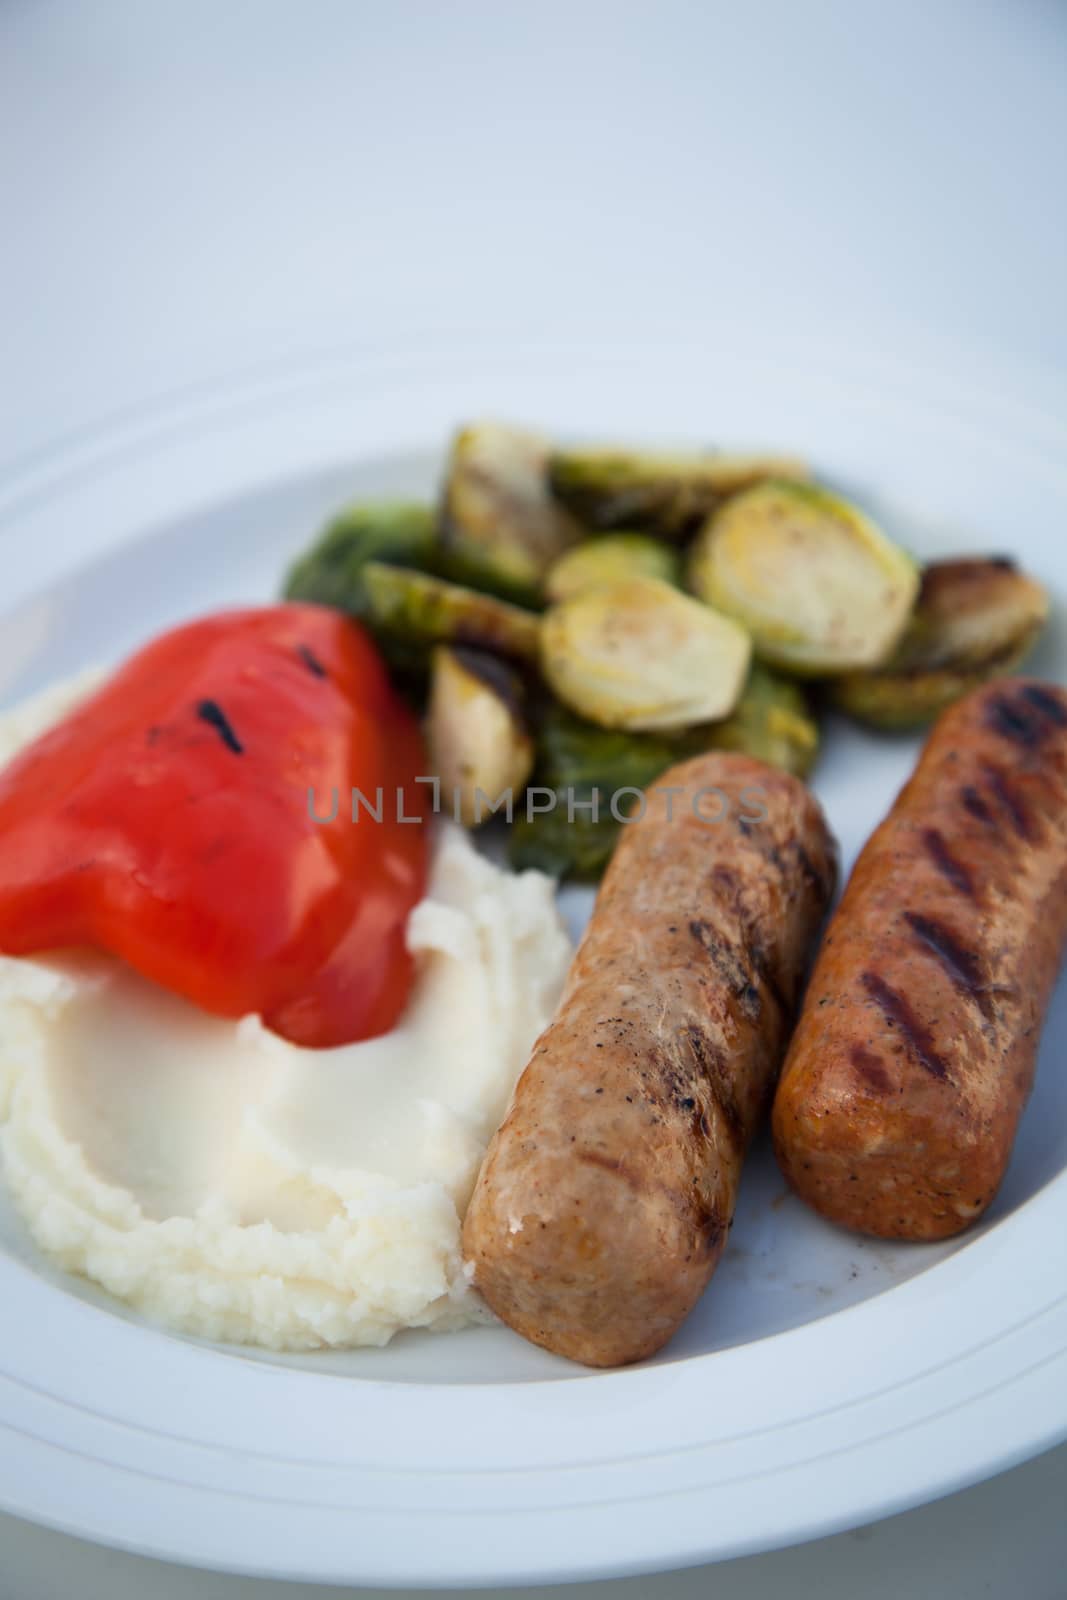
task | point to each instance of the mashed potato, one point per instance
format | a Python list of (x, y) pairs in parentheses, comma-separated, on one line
[(241, 1188)]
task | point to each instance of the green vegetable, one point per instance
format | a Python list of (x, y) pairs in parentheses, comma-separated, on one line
[(638, 654), (574, 753), (772, 721), (479, 745), (550, 842), (668, 494), (414, 610), (331, 571), (975, 619), (501, 530), (576, 759), (616, 555), (817, 584)]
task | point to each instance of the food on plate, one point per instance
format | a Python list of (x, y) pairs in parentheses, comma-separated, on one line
[(479, 744), (501, 529), (809, 583), (670, 494), (594, 776), (916, 1047), (772, 720), (400, 532), (238, 1187), (639, 654), (975, 618), (412, 611), (585, 767), (167, 819), (263, 1006), (604, 1200), (597, 562), (817, 584)]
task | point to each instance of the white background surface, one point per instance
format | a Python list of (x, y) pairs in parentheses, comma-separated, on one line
[(208, 188)]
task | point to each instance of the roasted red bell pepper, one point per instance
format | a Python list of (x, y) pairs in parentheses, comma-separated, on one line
[(169, 820)]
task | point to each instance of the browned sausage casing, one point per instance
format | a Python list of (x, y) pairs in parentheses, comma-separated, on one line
[(915, 1050), (605, 1197)]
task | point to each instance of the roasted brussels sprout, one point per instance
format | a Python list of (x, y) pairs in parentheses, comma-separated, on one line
[(817, 584), (413, 610), (575, 754), (975, 618), (479, 745), (501, 529), (638, 654), (576, 759), (617, 555), (576, 846), (331, 571), (667, 494), (772, 721), (584, 767)]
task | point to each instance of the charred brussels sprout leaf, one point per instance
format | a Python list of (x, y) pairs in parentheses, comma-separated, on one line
[(638, 654), (479, 746), (817, 584), (975, 618), (669, 495), (601, 561), (414, 610), (501, 529), (331, 571)]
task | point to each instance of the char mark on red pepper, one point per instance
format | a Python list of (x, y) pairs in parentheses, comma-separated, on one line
[(311, 660), (211, 712)]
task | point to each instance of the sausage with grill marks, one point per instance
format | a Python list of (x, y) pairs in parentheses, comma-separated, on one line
[(916, 1047), (605, 1197)]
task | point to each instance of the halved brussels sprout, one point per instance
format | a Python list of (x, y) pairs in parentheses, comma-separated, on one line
[(479, 746), (668, 494), (501, 529), (617, 555), (331, 571), (975, 619), (413, 610), (639, 654), (818, 585)]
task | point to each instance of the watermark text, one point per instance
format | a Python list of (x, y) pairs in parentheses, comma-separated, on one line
[(628, 804)]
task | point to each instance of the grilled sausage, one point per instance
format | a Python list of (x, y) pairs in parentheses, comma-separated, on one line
[(915, 1050), (605, 1197)]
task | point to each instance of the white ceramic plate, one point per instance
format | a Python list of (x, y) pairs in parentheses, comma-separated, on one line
[(824, 1380)]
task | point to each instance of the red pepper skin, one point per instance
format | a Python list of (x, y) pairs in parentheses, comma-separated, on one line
[(167, 820)]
